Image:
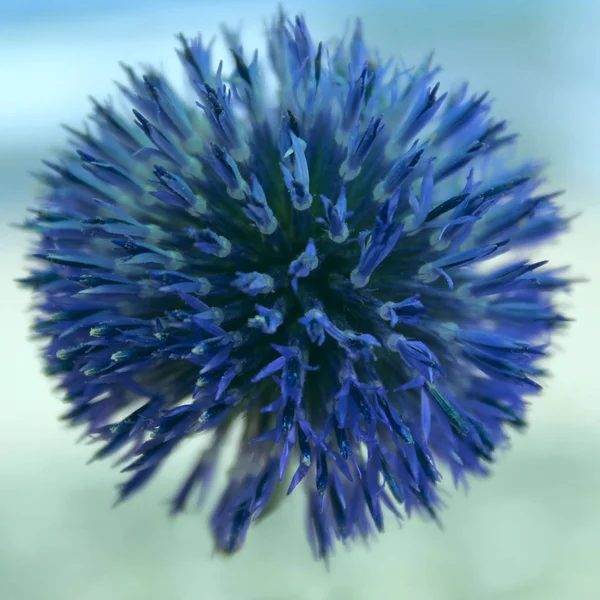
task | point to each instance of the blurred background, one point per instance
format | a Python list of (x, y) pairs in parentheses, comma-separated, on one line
[(530, 532)]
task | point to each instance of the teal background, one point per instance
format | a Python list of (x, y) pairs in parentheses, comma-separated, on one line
[(531, 532)]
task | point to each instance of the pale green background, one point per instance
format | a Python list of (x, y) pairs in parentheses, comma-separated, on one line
[(530, 532)]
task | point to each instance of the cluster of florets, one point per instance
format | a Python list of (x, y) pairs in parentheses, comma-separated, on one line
[(309, 262)]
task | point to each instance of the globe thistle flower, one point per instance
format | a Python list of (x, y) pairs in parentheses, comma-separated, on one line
[(341, 265)]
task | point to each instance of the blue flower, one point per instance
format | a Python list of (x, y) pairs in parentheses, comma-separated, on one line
[(338, 265)]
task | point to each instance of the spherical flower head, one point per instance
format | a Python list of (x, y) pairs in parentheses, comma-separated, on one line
[(339, 264)]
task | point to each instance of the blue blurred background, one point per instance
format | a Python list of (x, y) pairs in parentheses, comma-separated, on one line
[(530, 532)]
